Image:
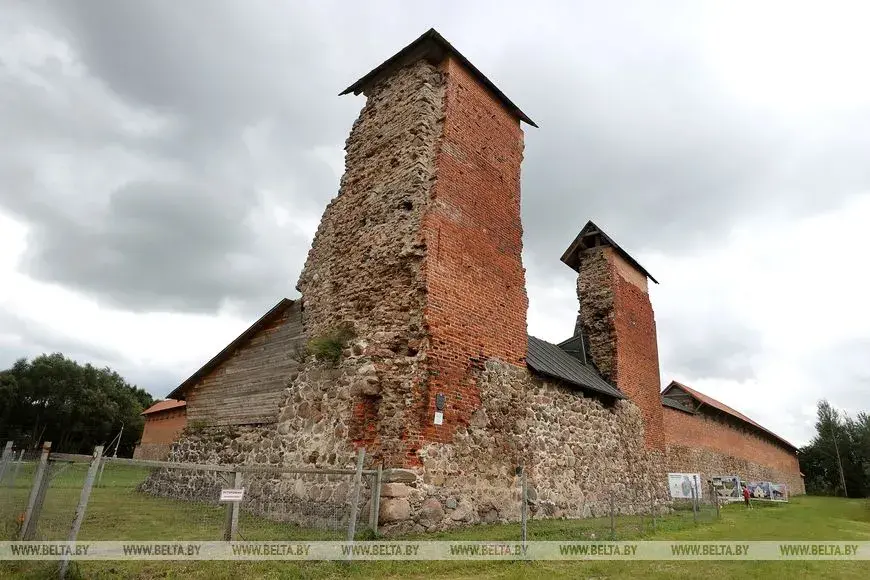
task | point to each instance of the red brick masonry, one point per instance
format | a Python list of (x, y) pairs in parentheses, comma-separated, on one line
[(163, 425)]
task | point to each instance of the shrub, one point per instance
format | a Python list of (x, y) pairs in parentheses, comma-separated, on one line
[(329, 346)]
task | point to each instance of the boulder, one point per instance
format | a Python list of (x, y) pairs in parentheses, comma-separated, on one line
[(394, 509), (395, 490), (431, 511)]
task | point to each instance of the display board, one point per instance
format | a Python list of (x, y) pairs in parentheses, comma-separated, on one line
[(759, 489), (778, 492), (728, 487), (681, 484)]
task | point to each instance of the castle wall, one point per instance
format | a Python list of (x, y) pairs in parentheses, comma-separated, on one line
[(476, 298), (160, 432), (365, 264), (577, 451), (711, 445), (617, 317)]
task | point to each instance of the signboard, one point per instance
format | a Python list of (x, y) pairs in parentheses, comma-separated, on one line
[(759, 489), (778, 492), (728, 487), (681, 484), (232, 494)]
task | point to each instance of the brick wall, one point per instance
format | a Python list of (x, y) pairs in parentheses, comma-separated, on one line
[(476, 298), (712, 444), (161, 430), (617, 317)]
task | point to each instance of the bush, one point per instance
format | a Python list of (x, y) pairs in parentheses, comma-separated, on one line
[(329, 346)]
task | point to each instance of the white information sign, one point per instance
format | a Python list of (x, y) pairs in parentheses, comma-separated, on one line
[(681, 485), (439, 417), (232, 494)]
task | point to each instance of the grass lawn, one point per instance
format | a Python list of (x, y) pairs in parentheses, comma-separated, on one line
[(117, 511)]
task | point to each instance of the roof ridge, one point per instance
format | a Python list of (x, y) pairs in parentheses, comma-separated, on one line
[(716, 404)]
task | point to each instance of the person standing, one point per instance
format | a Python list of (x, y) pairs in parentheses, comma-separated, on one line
[(746, 497)]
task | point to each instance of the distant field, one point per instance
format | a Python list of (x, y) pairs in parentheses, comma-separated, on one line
[(117, 511)]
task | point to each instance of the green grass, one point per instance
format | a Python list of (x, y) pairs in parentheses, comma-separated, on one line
[(116, 511)]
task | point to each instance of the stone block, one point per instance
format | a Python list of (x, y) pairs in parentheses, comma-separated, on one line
[(400, 476), (395, 490), (394, 509), (431, 511)]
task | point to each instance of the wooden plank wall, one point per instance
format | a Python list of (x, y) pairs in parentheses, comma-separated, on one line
[(247, 388)]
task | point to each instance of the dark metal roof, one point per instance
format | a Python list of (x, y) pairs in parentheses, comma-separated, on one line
[(571, 257), (576, 347), (674, 404), (273, 314), (433, 47), (711, 402), (550, 360)]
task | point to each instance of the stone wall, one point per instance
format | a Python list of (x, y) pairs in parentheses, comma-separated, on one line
[(617, 317), (365, 264), (710, 445), (152, 451), (577, 451)]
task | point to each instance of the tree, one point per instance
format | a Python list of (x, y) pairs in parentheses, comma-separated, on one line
[(76, 407), (837, 459)]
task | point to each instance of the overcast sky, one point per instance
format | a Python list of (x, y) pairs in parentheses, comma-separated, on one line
[(164, 165)]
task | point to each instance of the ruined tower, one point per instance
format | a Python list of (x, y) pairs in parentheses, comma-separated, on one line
[(617, 322), (420, 251)]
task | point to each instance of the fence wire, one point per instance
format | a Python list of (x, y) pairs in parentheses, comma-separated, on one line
[(15, 484)]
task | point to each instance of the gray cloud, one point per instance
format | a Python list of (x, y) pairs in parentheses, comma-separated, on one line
[(149, 171), (635, 131), (842, 374), (35, 339), (703, 347)]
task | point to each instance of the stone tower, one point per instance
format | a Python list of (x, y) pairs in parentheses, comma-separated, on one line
[(616, 319), (420, 251)]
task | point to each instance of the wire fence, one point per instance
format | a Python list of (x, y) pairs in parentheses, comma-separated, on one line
[(619, 514), (17, 467)]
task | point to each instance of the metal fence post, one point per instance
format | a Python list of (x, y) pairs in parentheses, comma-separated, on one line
[(612, 517), (6, 459), (83, 504), (375, 502), (357, 483), (524, 506), (37, 494), (694, 504)]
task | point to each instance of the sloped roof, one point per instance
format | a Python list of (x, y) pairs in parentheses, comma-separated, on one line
[(710, 401), (273, 314), (674, 404), (550, 360), (163, 406), (571, 257), (434, 47)]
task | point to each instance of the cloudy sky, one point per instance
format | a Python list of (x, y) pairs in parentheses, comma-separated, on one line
[(164, 165)]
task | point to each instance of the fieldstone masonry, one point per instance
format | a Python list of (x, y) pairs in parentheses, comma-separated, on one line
[(420, 255)]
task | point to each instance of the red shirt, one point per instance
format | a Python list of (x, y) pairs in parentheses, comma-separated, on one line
[(745, 493)]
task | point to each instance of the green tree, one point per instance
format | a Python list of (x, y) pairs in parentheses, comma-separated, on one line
[(837, 459), (76, 407)]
